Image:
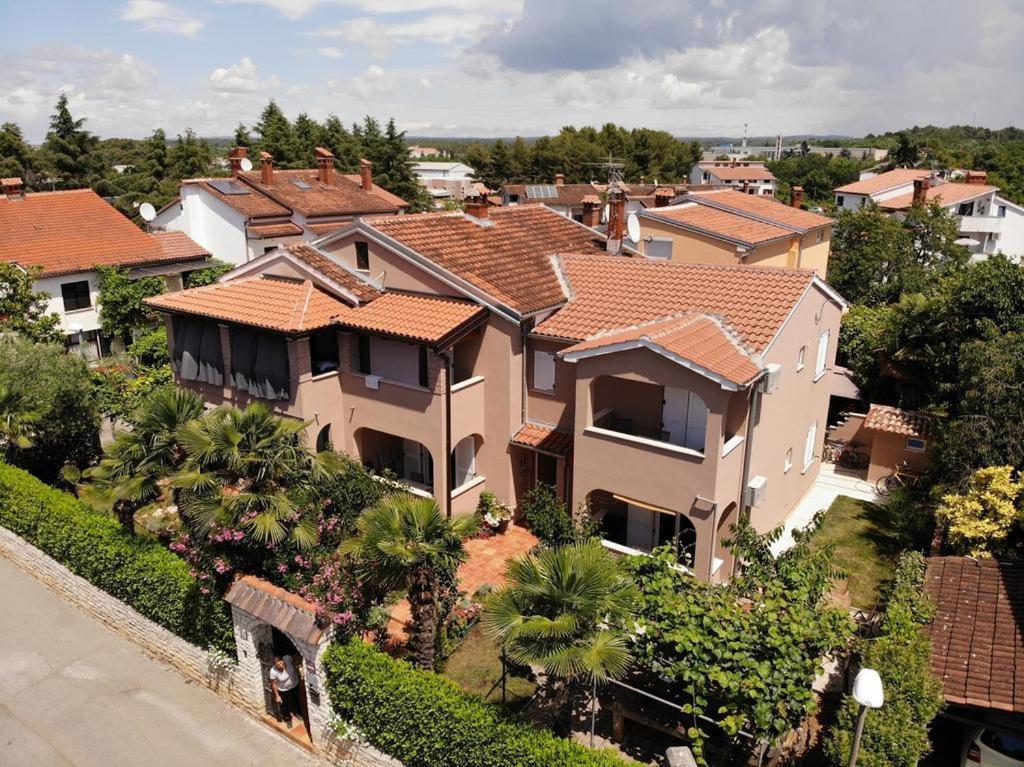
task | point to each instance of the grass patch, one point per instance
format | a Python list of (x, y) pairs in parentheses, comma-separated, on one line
[(866, 546), (476, 666)]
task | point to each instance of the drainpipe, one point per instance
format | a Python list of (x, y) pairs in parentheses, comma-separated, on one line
[(748, 449), (448, 473), (522, 399)]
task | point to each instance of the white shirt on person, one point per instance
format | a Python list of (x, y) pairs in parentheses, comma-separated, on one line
[(286, 678)]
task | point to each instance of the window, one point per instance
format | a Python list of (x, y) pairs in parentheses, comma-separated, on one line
[(323, 351), (966, 209), (464, 465), (810, 444), (268, 249), (75, 295), (323, 439), (821, 235), (684, 418), (819, 364), (916, 445), (839, 201), (659, 248), (363, 256), (801, 357), (789, 461), (543, 371), (424, 371), (364, 353), (1002, 211)]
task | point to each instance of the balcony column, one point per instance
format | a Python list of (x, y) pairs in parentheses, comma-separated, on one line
[(225, 351)]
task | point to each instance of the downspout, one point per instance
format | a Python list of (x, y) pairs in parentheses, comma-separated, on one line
[(748, 449), (522, 393), (448, 473)]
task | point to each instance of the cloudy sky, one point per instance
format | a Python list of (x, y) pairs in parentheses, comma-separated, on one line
[(507, 67)]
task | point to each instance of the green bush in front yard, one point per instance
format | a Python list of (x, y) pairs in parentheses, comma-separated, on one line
[(425, 720), (141, 573)]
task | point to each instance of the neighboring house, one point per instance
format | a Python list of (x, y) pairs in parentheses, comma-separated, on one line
[(988, 223), (447, 180), (505, 347), (423, 151), (890, 436), (726, 226), (567, 199), (67, 235), (455, 171), (251, 213), (747, 176)]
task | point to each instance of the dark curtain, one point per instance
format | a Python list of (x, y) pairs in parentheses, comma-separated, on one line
[(243, 342), (197, 354), (259, 363), (211, 359)]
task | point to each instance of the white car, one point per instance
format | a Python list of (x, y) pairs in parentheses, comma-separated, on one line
[(994, 748)]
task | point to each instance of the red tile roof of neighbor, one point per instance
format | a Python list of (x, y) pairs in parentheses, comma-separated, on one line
[(421, 318), (763, 207), (179, 246), (322, 263), (75, 231), (275, 229), (896, 421), (739, 172), (949, 193), (977, 638), (722, 223), (249, 202), (612, 292), (883, 181), (507, 256), (343, 196), (547, 439), (566, 194)]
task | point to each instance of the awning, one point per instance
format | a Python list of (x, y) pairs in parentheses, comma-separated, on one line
[(283, 610), (843, 385), (544, 439)]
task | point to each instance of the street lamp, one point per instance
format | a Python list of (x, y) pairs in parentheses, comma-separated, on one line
[(867, 691)]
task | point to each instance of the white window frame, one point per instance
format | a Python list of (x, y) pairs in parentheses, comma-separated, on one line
[(809, 445), (840, 200), (787, 463), (801, 358), (661, 241), (544, 371), (821, 362), (923, 445)]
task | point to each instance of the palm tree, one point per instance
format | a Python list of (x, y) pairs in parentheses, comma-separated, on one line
[(138, 463), (559, 610), (404, 542), (17, 419), (250, 468)]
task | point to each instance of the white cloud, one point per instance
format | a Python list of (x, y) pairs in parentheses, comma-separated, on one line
[(157, 16), (372, 83), (296, 9), (239, 78), (379, 37), (129, 74), (425, 84), (330, 52)]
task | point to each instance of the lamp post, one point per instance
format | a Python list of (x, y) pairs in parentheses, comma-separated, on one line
[(867, 691)]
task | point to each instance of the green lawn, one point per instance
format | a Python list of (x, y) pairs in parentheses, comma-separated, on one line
[(476, 665), (866, 546)]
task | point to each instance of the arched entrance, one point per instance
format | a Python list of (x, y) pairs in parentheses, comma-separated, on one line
[(638, 527)]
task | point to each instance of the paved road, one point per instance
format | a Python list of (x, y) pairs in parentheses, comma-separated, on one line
[(72, 692)]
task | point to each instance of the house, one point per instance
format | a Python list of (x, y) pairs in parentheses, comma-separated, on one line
[(891, 437), (988, 222), (567, 199), (748, 176), (447, 180), (423, 151), (66, 235), (505, 346), (253, 212), (726, 226)]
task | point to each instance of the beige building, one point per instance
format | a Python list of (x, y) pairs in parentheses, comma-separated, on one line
[(728, 227), (504, 347)]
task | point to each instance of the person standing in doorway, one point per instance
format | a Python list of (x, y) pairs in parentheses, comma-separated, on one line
[(284, 680)]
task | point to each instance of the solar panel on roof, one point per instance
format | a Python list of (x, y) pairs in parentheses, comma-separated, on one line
[(541, 191), (229, 187), (301, 184)]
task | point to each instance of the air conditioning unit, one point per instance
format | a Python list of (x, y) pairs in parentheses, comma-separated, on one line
[(372, 382), (770, 382), (754, 492)]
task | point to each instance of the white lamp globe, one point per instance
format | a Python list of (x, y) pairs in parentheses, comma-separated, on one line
[(867, 688)]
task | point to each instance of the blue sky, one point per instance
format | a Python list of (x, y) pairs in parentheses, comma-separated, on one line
[(506, 67)]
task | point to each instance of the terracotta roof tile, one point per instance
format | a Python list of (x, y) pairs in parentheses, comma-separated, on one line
[(508, 257), (739, 172), (547, 439), (611, 292), (275, 229), (976, 635), (883, 181), (566, 194), (343, 197), (74, 231), (946, 194), (721, 223), (698, 338), (282, 609), (897, 421), (274, 303), (250, 203), (322, 263), (179, 246), (421, 318), (327, 227), (381, 192), (763, 207)]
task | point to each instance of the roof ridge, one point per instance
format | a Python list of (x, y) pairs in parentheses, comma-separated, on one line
[(681, 265)]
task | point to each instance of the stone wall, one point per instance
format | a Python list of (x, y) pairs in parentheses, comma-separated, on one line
[(237, 685)]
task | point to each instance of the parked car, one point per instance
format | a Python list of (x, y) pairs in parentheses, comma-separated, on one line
[(993, 748)]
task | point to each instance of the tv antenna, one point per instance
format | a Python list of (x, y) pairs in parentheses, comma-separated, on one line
[(614, 167)]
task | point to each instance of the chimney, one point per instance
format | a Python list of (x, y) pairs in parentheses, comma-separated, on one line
[(366, 174), (235, 157), (477, 207), (559, 179), (266, 169), (746, 187), (921, 190), (663, 196), (796, 196), (591, 211), (616, 220), (977, 177), (324, 165), (12, 188)]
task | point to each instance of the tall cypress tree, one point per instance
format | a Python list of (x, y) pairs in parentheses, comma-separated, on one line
[(68, 150), (277, 137)]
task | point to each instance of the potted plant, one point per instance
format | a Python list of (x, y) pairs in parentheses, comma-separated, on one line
[(495, 514)]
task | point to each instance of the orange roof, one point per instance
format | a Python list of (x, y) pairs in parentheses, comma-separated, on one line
[(721, 223), (565, 194), (75, 231), (946, 194), (507, 256), (762, 207), (883, 181), (278, 229), (249, 202), (612, 292), (274, 303), (322, 263), (896, 421), (302, 191), (543, 438), (739, 172), (178, 246), (697, 338), (421, 318), (328, 227)]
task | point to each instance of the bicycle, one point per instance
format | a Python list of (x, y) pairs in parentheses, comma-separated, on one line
[(845, 454), (900, 477)]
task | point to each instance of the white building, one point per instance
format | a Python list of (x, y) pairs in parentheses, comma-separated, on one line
[(746, 176), (447, 180), (253, 212)]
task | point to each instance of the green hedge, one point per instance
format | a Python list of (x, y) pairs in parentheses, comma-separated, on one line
[(425, 720), (139, 572)]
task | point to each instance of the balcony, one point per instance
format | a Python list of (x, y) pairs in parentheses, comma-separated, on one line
[(980, 224), (468, 407)]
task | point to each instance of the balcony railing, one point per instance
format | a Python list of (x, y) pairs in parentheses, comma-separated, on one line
[(982, 224)]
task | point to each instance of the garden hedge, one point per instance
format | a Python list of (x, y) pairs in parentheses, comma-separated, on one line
[(425, 720), (141, 573)]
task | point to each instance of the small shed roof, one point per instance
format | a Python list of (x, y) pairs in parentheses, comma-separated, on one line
[(283, 610), (894, 420)]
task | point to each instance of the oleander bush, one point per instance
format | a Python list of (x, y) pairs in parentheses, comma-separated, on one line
[(139, 572), (425, 720)]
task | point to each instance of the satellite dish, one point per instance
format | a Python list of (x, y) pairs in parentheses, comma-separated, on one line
[(245, 164), (633, 227), (147, 212), (605, 213)]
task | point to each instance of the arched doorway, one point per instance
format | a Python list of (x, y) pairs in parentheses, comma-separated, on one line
[(281, 646), (323, 439)]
